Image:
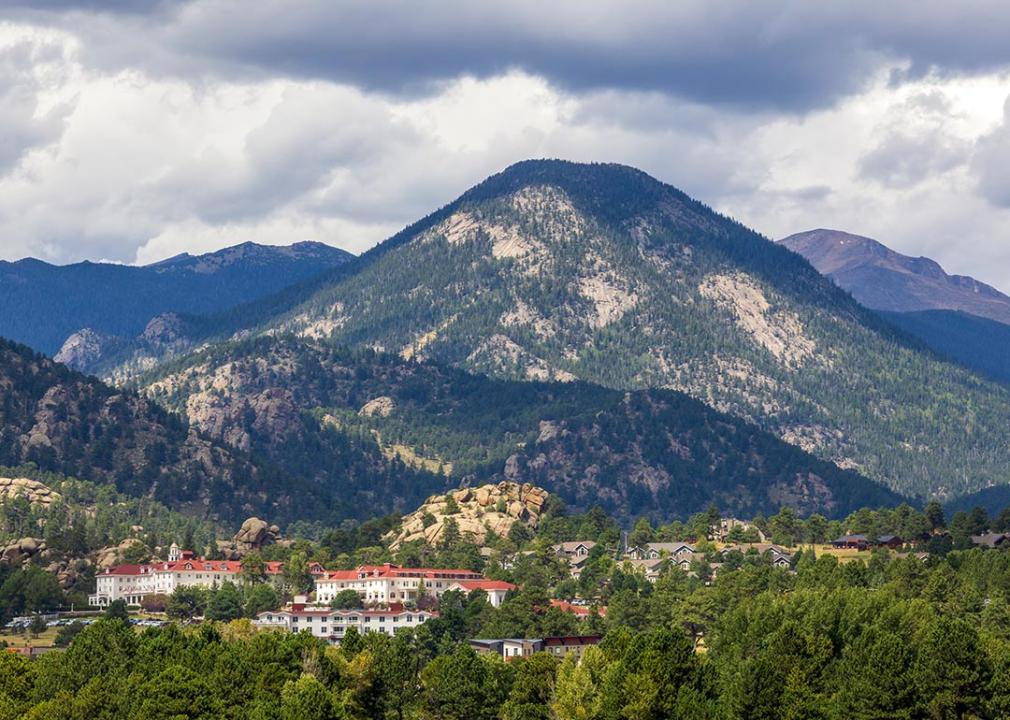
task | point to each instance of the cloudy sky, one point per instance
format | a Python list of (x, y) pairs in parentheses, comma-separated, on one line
[(132, 131)]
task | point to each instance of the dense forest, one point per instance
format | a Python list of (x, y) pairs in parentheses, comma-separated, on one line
[(976, 342)]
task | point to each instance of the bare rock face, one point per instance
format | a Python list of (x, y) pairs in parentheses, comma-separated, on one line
[(164, 329), (111, 556), (483, 512), (83, 348), (254, 534), (382, 406), (32, 490), (22, 550)]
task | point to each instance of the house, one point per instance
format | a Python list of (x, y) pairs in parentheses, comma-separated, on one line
[(779, 556), (496, 589), (990, 540), (652, 569), (133, 582), (890, 541), (332, 625), (513, 648), (858, 542), (390, 583), (575, 548), (654, 551), (564, 646), (579, 611)]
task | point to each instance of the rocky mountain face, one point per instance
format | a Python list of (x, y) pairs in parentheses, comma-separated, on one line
[(560, 271), (67, 423), (479, 513), (117, 359), (43, 305), (883, 279), (302, 403)]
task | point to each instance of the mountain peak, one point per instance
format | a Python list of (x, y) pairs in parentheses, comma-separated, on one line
[(884, 279)]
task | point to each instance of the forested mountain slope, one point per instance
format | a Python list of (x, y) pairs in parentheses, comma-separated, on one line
[(976, 342), (68, 423), (655, 452), (41, 305), (556, 270)]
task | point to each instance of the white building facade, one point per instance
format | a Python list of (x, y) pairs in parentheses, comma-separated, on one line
[(133, 582), (386, 584), (332, 625)]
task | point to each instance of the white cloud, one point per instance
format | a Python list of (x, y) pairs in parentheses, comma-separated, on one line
[(134, 161)]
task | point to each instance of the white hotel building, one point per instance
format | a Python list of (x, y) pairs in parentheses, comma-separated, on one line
[(386, 584), (331, 625), (132, 582)]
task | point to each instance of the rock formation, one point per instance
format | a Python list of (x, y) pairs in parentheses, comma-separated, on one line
[(35, 492), (483, 511), (254, 534), (21, 550)]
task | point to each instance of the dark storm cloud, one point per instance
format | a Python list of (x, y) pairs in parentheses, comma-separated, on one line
[(786, 56)]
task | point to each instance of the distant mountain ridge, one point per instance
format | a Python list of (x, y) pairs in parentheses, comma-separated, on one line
[(883, 279), (41, 304)]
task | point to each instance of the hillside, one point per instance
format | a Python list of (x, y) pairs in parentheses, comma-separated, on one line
[(68, 423), (41, 304), (655, 452), (555, 270), (976, 342), (883, 279)]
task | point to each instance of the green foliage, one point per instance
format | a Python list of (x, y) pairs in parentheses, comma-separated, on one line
[(225, 603), (347, 600), (187, 602), (117, 611)]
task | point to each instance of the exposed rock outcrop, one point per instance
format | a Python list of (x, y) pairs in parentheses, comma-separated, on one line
[(483, 511), (84, 348), (113, 555), (254, 534), (382, 406), (34, 491), (21, 550)]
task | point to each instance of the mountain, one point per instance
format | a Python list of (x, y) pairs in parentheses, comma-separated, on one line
[(650, 452), (957, 316), (553, 270), (69, 423), (883, 279), (41, 305)]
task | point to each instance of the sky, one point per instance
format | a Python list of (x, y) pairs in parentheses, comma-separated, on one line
[(132, 131)]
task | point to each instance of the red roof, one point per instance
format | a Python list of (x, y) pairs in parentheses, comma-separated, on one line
[(580, 610), (191, 565), (388, 570), (128, 570), (471, 585)]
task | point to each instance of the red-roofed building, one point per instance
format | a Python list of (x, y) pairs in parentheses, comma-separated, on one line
[(133, 582), (496, 589), (578, 610), (390, 583)]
